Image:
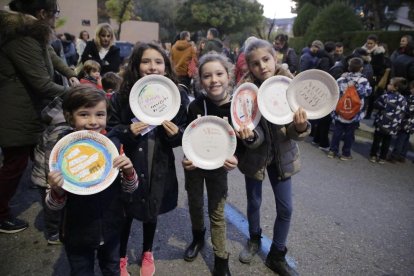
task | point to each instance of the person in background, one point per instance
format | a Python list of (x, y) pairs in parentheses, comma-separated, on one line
[(213, 42), (339, 51), (391, 110), (89, 225), (309, 58), (404, 41), (102, 49), (200, 46), (81, 43), (69, 49), (111, 83), (284, 54), (182, 53), (92, 74), (151, 153), (270, 148), (26, 87)]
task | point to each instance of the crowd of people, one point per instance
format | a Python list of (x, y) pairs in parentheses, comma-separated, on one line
[(50, 88)]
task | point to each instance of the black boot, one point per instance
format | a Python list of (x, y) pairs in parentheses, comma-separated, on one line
[(198, 242), (221, 266), (276, 261), (251, 249)]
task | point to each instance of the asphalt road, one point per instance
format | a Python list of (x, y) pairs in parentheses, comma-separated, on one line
[(350, 218)]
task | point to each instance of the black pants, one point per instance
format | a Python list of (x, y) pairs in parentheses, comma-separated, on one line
[(381, 142)]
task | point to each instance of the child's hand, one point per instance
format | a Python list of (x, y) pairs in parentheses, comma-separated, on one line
[(123, 163), (55, 180), (170, 128), (231, 163), (188, 164), (300, 120), (245, 133), (138, 127)]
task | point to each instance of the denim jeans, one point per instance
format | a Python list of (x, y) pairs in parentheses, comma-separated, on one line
[(347, 131), (283, 197), (401, 144), (216, 186), (82, 259)]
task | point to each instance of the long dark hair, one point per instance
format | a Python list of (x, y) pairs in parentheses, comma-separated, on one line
[(33, 6), (131, 74)]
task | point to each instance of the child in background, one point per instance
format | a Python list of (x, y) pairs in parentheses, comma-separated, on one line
[(273, 148), (402, 140), (90, 222), (110, 83), (151, 153), (215, 78), (391, 110), (91, 74), (343, 127)]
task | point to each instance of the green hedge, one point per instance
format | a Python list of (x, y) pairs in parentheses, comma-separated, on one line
[(352, 40)]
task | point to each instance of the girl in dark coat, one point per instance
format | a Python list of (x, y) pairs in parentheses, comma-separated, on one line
[(103, 50), (151, 153)]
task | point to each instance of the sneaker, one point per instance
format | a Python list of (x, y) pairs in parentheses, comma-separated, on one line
[(381, 161), (373, 159), (54, 239), (314, 143), (324, 149), (331, 154), (13, 225), (123, 263), (345, 158), (147, 265)]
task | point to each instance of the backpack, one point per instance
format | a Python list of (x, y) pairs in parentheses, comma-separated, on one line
[(349, 104)]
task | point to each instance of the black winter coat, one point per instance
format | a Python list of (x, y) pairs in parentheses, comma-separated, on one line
[(110, 63), (157, 192)]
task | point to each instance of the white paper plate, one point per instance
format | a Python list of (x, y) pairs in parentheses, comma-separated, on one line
[(85, 160), (244, 109), (208, 141), (272, 100), (154, 98), (315, 91)]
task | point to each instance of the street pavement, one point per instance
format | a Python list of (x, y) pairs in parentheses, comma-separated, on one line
[(350, 218)]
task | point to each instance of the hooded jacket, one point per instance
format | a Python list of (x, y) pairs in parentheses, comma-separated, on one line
[(181, 54), (26, 78), (214, 44)]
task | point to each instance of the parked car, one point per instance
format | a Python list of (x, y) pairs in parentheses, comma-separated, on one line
[(125, 47)]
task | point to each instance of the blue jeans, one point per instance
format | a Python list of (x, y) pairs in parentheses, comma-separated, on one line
[(347, 131), (401, 144), (283, 197), (82, 259)]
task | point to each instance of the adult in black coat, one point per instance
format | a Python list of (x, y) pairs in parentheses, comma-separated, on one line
[(102, 49)]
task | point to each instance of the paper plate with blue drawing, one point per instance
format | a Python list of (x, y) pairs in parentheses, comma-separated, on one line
[(244, 109), (154, 98), (208, 141), (315, 91), (272, 100), (85, 160)]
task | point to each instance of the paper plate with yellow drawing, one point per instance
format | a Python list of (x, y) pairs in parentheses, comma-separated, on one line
[(85, 160), (154, 98)]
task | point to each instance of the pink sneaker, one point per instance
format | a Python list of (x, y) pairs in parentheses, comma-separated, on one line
[(147, 265), (123, 263)]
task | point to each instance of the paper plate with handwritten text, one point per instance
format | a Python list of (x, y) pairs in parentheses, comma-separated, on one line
[(154, 98), (272, 100), (244, 109), (315, 91), (85, 160), (208, 141)]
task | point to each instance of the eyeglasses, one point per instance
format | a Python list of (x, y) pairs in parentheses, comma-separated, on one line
[(56, 12)]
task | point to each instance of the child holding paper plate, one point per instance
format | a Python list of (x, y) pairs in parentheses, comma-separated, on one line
[(270, 147), (215, 78), (151, 153), (90, 222)]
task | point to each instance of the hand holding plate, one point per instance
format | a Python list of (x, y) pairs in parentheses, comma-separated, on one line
[(230, 163), (300, 120), (170, 128), (245, 133), (188, 164), (55, 180), (123, 163), (137, 127)]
